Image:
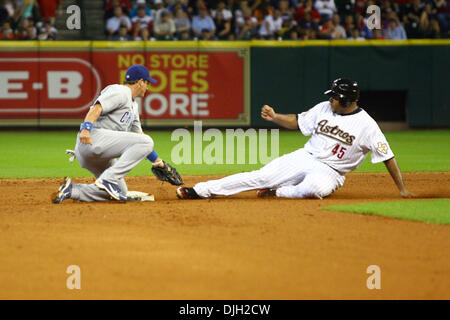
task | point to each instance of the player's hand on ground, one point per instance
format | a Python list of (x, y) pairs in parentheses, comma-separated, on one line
[(267, 113), (406, 194), (85, 137)]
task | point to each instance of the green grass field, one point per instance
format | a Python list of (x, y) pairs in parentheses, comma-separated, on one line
[(429, 211), (42, 154)]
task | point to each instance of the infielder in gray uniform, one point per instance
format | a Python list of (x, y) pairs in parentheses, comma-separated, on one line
[(111, 142)]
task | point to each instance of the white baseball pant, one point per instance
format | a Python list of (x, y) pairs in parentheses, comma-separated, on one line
[(295, 175)]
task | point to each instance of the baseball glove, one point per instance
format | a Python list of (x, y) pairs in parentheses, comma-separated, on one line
[(167, 173)]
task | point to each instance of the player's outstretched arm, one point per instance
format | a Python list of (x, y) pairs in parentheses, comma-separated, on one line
[(92, 116), (396, 175), (288, 121)]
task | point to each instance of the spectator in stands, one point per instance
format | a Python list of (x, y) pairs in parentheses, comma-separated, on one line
[(349, 23), (443, 14), (246, 26), (226, 13), (326, 8), (182, 25), (394, 30), (206, 35), (429, 26), (47, 32), (142, 23), (3, 15), (48, 9), (8, 10), (293, 35), (355, 35), (261, 9), (177, 4), (271, 25), (285, 11), (365, 32), (411, 18), (242, 6), (308, 23), (111, 4), (122, 34), (26, 30), (359, 8), (309, 34), (113, 24), (29, 9), (158, 8), (203, 22), (326, 29), (140, 4), (386, 9), (286, 27), (164, 28), (7, 32), (194, 7), (339, 31), (377, 34), (308, 8), (223, 27)]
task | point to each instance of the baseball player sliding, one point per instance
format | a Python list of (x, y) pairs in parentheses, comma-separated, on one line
[(111, 143), (341, 136)]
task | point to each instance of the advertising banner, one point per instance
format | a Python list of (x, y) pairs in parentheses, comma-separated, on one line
[(55, 84)]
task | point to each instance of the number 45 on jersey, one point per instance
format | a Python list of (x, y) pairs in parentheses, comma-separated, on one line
[(339, 151)]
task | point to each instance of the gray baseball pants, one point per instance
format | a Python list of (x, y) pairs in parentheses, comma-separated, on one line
[(110, 157)]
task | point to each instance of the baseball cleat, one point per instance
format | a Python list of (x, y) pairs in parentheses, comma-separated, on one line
[(64, 191), (112, 189), (265, 193), (187, 193)]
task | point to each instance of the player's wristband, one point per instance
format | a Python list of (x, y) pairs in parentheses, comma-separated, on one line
[(152, 156), (86, 125)]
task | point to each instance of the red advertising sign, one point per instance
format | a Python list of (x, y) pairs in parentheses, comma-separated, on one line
[(209, 84)]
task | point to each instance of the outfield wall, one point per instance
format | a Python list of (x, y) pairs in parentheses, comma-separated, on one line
[(222, 83)]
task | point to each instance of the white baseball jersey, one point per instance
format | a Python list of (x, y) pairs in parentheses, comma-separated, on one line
[(338, 144), (342, 141), (119, 110)]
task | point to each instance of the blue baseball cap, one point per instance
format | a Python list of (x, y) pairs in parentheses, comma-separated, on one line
[(138, 72)]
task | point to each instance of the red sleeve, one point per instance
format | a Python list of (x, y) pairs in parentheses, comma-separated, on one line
[(315, 14), (126, 3), (300, 13), (108, 5)]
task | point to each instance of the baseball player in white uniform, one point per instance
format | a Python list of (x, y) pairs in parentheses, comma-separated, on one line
[(111, 141), (341, 136)]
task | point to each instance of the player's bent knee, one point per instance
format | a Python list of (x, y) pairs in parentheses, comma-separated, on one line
[(148, 141), (313, 189)]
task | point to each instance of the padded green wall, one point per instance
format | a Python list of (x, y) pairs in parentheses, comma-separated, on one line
[(292, 79)]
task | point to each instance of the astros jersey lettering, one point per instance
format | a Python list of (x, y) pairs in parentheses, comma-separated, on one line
[(342, 141)]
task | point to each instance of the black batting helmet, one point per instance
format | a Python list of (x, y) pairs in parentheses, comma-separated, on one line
[(345, 91)]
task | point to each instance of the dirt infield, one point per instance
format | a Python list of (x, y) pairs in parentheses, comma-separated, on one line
[(235, 248)]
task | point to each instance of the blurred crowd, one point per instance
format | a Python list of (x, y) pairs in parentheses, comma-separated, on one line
[(29, 19), (274, 19), (127, 20)]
